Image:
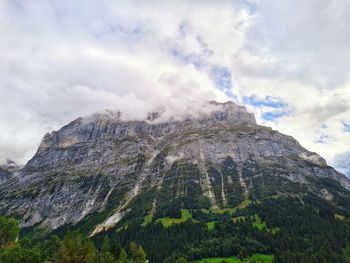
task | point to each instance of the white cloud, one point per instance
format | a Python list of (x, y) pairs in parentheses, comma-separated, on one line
[(299, 51), (63, 59)]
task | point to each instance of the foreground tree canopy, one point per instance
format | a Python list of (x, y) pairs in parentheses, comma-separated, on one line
[(73, 248)]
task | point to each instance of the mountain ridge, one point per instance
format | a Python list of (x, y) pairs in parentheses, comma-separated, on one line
[(103, 164), (7, 170)]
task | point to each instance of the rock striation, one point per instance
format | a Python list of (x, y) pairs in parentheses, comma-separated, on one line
[(107, 166), (7, 170)]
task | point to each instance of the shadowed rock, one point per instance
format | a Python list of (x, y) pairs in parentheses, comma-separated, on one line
[(105, 162)]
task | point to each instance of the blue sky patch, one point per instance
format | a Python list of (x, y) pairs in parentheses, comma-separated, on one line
[(268, 101), (204, 46), (324, 138), (342, 163), (193, 59), (276, 108), (221, 76), (222, 79), (273, 116), (346, 126)]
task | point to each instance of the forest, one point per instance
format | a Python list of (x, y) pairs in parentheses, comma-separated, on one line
[(298, 229), (73, 248)]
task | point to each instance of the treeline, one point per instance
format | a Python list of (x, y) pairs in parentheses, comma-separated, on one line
[(192, 240), (73, 248), (297, 257), (301, 229)]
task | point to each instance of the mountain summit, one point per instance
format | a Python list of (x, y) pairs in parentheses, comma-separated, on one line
[(105, 169), (7, 169)]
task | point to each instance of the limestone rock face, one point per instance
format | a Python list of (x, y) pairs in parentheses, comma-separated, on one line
[(4, 175), (104, 165), (7, 170)]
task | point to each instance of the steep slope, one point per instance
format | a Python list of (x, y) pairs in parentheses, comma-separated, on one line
[(7, 170), (4, 175), (106, 169)]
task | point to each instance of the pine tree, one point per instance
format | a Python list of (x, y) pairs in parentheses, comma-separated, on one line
[(137, 254), (181, 260), (9, 230), (75, 249), (123, 257)]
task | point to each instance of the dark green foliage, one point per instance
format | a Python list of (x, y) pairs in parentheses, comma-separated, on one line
[(304, 225), (264, 180), (50, 248), (283, 218), (226, 179), (297, 257), (104, 257), (181, 260), (181, 186), (73, 248), (305, 231), (210, 216), (9, 230), (341, 196), (12, 251), (123, 257), (17, 254), (137, 254), (216, 182), (140, 206), (116, 196), (173, 211), (233, 188)]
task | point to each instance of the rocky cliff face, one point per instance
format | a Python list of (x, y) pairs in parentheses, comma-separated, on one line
[(4, 175), (107, 168), (7, 170)]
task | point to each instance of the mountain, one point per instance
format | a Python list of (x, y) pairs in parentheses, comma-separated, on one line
[(7, 170), (104, 171)]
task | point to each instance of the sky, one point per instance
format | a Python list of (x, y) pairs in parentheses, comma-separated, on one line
[(287, 61)]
